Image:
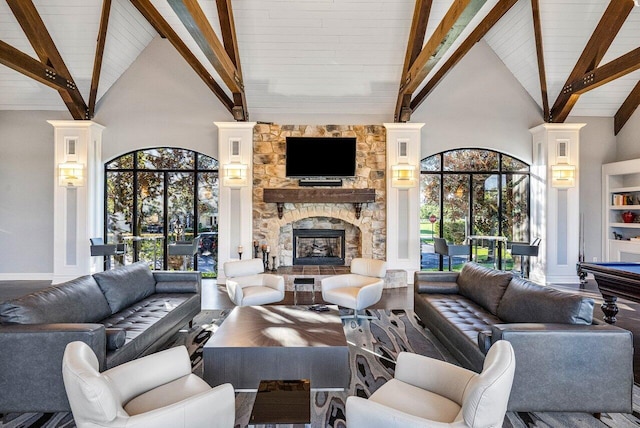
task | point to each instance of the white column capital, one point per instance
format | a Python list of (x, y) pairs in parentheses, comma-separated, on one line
[(75, 124), (403, 126), (557, 127)]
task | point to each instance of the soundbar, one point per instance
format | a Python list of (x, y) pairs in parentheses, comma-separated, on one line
[(319, 182)]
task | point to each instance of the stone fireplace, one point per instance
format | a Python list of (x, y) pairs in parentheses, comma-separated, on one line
[(364, 230)]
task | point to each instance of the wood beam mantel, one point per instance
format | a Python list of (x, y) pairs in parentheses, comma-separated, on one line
[(318, 196)]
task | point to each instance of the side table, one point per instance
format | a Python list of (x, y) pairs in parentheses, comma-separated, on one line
[(297, 282), (282, 402)]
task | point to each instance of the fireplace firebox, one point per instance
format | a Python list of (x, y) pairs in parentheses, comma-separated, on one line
[(318, 247)]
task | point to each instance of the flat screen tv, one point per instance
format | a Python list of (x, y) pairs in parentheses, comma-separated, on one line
[(320, 157)]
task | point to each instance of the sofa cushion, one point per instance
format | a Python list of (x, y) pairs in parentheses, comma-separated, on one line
[(76, 301), (483, 285), (126, 285), (524, 301)]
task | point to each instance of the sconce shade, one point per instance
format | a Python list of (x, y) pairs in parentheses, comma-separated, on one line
[(403, 175), (235, 175), (71, 174), (563, 176)]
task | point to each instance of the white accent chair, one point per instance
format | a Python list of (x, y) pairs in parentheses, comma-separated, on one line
[(157, 391), (248, 285), (356, 290), (426, 392)]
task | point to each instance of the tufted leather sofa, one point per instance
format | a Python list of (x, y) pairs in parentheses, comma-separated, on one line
[(565, 359), (121, 314)]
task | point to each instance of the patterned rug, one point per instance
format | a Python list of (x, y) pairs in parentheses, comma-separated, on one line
[(373, 348)]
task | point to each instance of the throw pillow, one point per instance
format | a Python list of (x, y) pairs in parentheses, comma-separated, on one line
[(483, 285), (126, 285)]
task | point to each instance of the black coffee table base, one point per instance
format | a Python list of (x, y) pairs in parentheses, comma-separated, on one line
[(282, 402)]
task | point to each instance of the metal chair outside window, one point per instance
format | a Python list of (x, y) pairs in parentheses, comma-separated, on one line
[(441, 247), (185, 249), (525, 250), (100, 249)]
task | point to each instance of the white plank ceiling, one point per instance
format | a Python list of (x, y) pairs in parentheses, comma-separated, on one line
[(318, 56)]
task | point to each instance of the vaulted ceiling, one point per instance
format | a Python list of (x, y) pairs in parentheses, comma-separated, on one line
[(574, 57)]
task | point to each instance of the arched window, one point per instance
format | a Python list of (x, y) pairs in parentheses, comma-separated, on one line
[(473, 192), (158, 196)]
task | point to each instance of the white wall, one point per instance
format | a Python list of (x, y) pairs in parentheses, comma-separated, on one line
[(629, 139), (597, 146), (26, 192), (159, 101), (479, 104)]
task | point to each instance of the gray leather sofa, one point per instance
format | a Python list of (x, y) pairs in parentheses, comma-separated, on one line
[(121, 314), (565, 360)]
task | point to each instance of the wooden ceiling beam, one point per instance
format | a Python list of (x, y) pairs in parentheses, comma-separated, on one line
[(627, 109), (602, 37), (230, 41), (619, 67), (97, 62), (199, 27), (453, 23), (31, 67), (478, 33), (29, 19), (414, 46), (537, 31), (154, 18)]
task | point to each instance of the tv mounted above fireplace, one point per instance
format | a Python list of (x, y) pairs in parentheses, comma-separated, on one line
[(320, 157)]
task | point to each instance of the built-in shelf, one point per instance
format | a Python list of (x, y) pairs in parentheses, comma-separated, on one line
[(621, 193), (357, 197)]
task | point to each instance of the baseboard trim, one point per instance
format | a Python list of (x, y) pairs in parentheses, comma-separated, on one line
[(26, 276)]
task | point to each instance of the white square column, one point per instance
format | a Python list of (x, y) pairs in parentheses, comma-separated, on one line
[(555, 203), (235, 204), (77, 204), (403, 197)]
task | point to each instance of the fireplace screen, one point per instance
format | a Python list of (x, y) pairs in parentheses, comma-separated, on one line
[(318, 247)]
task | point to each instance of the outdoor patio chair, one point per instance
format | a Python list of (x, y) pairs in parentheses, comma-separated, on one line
[(441, 247), (99, 248)]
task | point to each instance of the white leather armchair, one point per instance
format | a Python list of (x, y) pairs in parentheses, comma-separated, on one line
[(426, 392), (247, 285), (157, 391), (356, 290)]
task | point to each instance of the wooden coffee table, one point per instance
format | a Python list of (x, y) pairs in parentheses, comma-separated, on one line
[(278, 342)]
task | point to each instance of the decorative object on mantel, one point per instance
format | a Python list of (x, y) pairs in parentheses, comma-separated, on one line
[(336, 196)]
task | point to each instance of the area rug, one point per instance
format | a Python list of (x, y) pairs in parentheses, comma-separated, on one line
[(373, 349)]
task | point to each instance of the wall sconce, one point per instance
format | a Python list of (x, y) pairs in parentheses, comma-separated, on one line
[(403, 175), (71, 174), (235, 175), (563, 176)]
